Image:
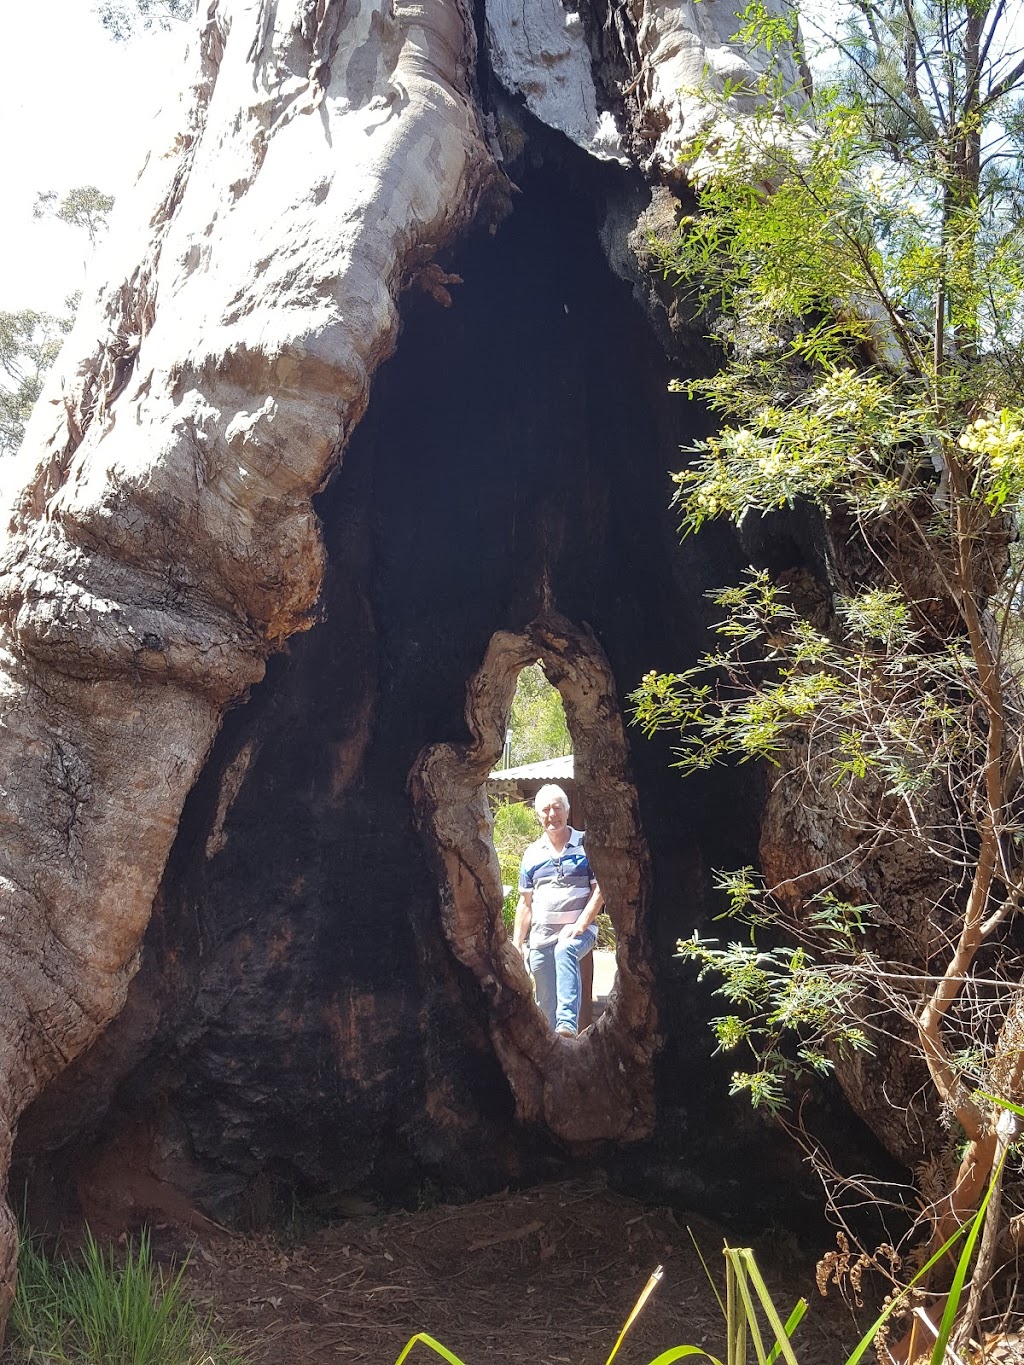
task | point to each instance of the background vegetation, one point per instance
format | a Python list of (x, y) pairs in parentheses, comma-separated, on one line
[(515, 828), (537, 730), (537, 722), (860, 259)]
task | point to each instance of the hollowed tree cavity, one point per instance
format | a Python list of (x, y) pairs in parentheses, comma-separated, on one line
[(599, 1085), (327, 999)]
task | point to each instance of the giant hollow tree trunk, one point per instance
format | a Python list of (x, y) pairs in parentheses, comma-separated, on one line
[(161, 538)]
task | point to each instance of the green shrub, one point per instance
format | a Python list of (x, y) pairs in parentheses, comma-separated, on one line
[(118, 1311), (605, 931), (515, 827)]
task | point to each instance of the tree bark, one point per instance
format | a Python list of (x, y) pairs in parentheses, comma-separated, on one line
[(161, 540), (161, 537)]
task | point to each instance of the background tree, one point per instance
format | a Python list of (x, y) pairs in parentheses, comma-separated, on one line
[(514, 829), (29, 342), (123, 18), (865, 279), (537, 730), (84, 207), (537, 721)]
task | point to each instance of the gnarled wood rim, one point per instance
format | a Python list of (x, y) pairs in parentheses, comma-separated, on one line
[(600, 1085)]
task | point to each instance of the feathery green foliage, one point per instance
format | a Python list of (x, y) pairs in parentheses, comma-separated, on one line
[(859, 257)]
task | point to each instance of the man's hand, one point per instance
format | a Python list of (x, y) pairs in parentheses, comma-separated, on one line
[(521, 928), (587, 917)]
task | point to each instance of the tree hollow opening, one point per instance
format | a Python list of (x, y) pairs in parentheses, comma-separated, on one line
[(538, 755), (599, 1085)]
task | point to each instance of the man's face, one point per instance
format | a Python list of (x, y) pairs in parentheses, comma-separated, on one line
[(553, 817)]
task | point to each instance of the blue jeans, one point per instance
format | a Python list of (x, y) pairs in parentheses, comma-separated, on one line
[(556, 974)]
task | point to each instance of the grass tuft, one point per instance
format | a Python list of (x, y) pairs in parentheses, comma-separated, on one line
[(121, 1310)]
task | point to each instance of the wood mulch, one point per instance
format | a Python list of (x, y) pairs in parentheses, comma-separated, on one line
[(545, 1276)]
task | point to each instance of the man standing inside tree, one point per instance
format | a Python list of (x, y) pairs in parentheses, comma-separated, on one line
[(559, 899)]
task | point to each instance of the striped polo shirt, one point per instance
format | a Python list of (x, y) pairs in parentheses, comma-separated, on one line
[(561, 882)]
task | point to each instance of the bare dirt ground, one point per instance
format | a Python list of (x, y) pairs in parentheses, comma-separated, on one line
[(542, 1277)]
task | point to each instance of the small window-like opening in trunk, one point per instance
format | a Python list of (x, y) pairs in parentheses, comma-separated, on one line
[(538, 729), (538, 754), (597, 1085)]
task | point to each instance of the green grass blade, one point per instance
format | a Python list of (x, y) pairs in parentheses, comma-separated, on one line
[(1003, 1104), (678, 1353), (735, 1320), (789, 1327), (436, 1346), (653, 1280), (707, 1272), (749, 1311), (770, 1311), (869, 1336), (962, 1267)]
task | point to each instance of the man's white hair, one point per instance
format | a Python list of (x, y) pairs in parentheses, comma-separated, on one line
[(548, 795)]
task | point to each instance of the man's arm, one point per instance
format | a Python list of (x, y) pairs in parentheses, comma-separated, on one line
[(524, 917), (585, 918)]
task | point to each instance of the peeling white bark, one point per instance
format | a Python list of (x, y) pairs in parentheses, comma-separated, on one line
[(538, 50), (679, 50), (686, 48)]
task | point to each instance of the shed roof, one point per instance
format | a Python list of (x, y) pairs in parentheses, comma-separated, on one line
[(547, 770)]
